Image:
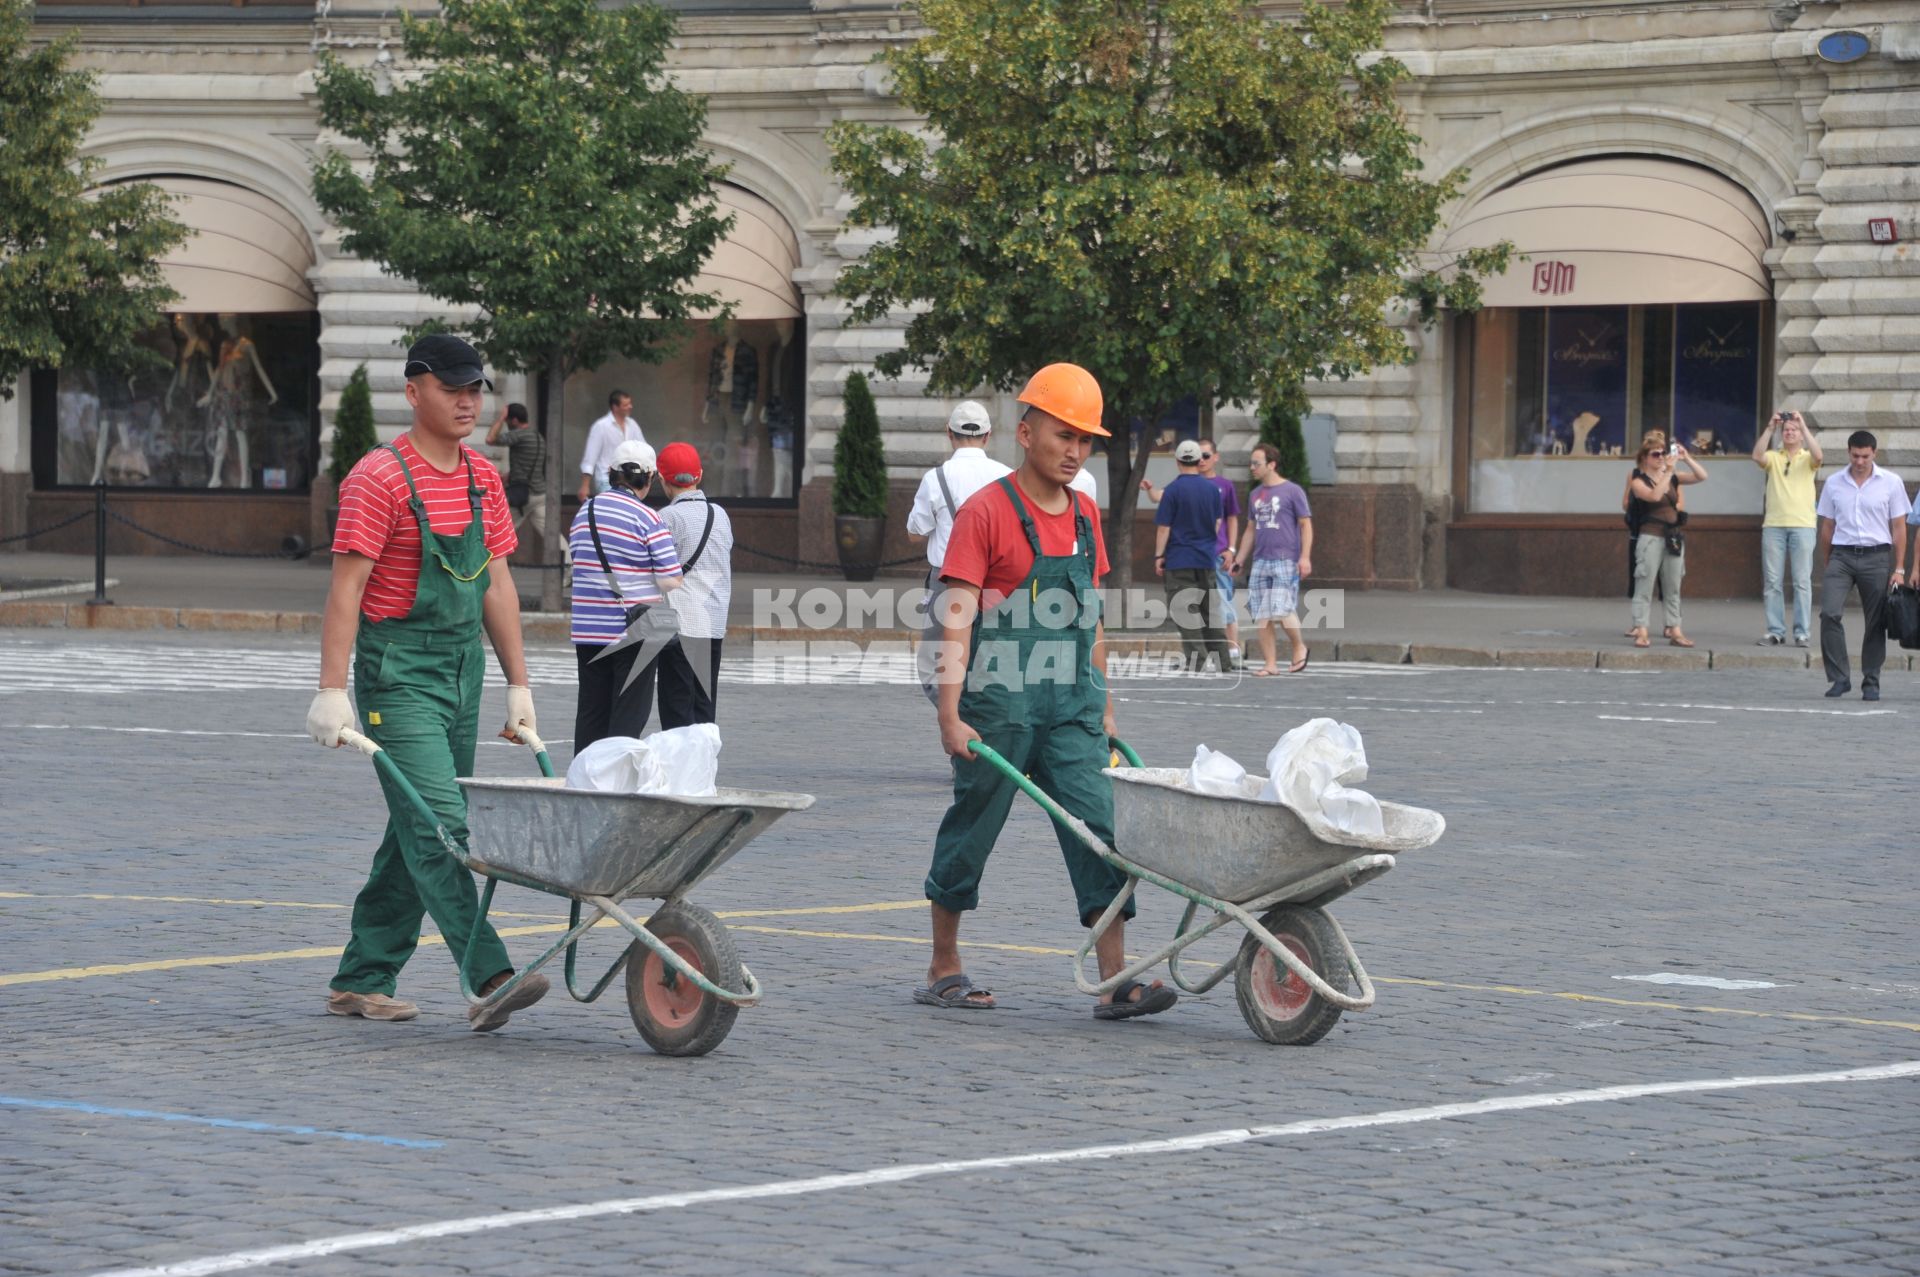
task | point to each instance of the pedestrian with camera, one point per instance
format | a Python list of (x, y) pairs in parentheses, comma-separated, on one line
[(1657, 511), (1862, 512), (1790, 455)]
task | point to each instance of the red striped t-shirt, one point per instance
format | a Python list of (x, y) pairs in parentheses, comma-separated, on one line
[(375, 520)]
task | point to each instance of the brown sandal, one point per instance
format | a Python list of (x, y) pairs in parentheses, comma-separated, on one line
[(1677, 639), (1639, 637)]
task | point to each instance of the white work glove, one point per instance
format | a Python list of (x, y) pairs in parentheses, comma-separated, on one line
[(330, 714), (519, 713)]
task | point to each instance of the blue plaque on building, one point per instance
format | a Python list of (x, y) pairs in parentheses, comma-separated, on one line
[(1845, 46)]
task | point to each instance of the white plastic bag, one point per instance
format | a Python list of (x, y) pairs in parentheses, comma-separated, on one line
[(682, 761), (1309, 771), (1215, 773)]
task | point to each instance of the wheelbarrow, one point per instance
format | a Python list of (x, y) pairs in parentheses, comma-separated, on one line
[(685, 981), (1253, 863)]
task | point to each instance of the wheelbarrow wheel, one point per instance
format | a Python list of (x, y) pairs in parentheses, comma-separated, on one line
[(672, 1013), (1278, 1005)]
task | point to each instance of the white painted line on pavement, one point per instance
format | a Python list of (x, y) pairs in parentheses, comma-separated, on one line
[(1699, 981), (1634, 718), (237, 1261), (195, 731)]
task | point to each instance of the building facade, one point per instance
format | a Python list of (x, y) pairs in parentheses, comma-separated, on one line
[(1715, 201)]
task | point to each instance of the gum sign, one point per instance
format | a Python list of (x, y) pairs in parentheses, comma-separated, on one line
[(825, 608)]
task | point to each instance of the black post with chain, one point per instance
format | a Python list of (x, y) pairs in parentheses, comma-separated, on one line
[(100, 598)]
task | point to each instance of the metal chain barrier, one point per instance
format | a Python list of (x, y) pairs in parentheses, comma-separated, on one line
[(177, 543), (52, 527)]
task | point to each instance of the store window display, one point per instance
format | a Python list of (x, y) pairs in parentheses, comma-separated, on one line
[(224, 401), (1550, 388), (731, 392)]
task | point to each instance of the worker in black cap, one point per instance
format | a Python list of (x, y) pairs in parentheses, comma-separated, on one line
[(419, 570)]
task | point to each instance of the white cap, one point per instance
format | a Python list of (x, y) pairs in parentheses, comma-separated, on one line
[(1187, 451), (636, 454), (969, 418)]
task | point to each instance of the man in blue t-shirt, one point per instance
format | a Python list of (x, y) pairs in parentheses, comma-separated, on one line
[(1186, 535)]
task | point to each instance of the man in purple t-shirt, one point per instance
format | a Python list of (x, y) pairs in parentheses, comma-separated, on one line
[(1278, 547)]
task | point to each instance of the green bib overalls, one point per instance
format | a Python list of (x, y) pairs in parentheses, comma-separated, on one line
[(417, 681), (1033, 694)]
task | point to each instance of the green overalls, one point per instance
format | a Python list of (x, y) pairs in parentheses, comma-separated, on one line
[(1033, 694), (417, 680)]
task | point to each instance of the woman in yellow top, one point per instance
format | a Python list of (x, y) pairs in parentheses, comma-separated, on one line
[(1786, 450)]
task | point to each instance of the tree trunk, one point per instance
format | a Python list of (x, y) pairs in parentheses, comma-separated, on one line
[(1126, 466), (553, 536)]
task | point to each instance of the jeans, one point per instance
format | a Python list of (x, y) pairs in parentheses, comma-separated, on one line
[(1224, 580), (1779, 548)]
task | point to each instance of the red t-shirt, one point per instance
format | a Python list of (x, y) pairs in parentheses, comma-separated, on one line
[(989, 548), (375, 519)]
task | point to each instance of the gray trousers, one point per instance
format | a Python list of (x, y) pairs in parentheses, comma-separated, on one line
[(1653, 562), (1195, 606), (1867, 567)]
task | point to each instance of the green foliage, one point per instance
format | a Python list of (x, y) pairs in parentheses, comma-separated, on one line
[(859, 461), (1179, 195), (353, 433), (79, 273), (1280, 419), (531, 158)]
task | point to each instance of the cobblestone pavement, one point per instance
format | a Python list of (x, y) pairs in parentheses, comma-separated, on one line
[(175, 862)]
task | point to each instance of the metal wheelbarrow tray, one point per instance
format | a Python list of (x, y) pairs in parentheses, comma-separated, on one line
[(1256, 864)]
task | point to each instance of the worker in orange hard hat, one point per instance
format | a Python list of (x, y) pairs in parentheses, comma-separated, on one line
[(1023, 668)]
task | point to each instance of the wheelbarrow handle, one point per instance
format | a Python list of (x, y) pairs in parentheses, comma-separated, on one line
[(539, 747), (390, 771), (1126, 751)]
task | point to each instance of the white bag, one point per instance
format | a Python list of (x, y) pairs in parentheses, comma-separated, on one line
[(1215, 773), (682, 761), (1309, 771)]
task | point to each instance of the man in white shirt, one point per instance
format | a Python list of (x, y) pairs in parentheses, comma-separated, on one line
[(943, 490), (606, 434), (1862, 515)]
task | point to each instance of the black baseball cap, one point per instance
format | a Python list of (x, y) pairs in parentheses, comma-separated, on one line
[(447, 357)]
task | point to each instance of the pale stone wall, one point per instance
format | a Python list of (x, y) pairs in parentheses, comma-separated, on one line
[(1500, 88)]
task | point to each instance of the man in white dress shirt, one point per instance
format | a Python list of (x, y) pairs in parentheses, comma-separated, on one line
[(1862, 513), (943, 490), (606, 434)]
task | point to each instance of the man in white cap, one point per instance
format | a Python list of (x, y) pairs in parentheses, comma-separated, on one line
[(943, 490)]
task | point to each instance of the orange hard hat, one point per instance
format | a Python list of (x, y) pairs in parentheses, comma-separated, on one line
[(1068, 392)]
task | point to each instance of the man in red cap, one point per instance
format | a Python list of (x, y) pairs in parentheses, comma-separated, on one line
[(690, 667), (1022, 570)]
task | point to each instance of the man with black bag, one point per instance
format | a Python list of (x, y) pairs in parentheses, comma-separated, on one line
[(1862, 514), (690, 667), (624, 562)]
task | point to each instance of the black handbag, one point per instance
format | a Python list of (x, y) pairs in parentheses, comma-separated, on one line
[(634, 611), (1903, 617), (519, 493)]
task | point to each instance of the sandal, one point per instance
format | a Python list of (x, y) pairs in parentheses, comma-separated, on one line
[(1676, 639), (955, 991), (1153, 1000), (1300, 666), (1639, 637), (1265, 673)]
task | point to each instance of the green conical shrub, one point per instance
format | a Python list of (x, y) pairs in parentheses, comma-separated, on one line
[(859, 460), (353, 433), (1280, 426)]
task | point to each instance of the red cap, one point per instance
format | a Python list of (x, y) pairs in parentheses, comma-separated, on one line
[(680, 465)]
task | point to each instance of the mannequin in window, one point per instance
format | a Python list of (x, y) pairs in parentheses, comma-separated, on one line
[(733, 391), (226, 400), (778, 416)]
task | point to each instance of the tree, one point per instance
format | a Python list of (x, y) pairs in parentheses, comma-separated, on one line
[(79, 275), (1179, 195), (859, 461), (353, 433), (1280, 419), (533, 160)]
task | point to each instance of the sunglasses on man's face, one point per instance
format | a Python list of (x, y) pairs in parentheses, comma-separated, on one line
[(1206, 456)]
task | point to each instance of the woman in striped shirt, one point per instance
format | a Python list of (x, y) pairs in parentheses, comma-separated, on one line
[(623, 562)]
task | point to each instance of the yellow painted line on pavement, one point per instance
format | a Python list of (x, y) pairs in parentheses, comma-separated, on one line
[(283, 955), (1514, 989)]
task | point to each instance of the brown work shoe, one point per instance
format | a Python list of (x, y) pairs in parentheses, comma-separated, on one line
[(370, 1006), (484, 1018)]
